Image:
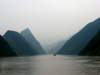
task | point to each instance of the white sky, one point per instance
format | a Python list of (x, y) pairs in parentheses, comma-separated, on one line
[(48, 20)]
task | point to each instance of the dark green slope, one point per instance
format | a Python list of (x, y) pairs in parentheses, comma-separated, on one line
[(80, 39), (21, 42), (5, 49), (14, 46), (93, 47), (33, 42), (56, 48)]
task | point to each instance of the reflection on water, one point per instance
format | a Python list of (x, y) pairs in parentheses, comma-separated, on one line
[(50, 65)]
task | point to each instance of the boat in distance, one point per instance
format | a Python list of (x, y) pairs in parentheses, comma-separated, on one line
[(54, 54)]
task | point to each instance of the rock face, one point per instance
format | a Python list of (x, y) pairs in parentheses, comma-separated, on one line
[(5, 49), (75, 44), (21, 42), (33, 42), (93, 47)]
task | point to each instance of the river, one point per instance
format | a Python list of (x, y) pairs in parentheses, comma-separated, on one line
[(50, 65)]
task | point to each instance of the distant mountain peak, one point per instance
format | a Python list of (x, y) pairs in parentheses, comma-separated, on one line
[(26, 33), (21, 42), (76, 43), (10, 32), (27, 29)]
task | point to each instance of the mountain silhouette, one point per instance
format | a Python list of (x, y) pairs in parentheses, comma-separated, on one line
[(16, 48), (56, 48), (49, 47), (93, 47), (75, 44), (5, 49), (21, 42), (33, 42)]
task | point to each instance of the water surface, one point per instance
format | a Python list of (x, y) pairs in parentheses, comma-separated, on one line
[(50, 65)]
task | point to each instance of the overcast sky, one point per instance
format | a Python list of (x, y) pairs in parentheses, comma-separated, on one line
[(48, 20)]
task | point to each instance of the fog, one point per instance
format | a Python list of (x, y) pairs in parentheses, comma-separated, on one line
[(48, 20)]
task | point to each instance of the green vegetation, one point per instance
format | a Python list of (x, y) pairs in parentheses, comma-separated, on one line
[(21, 43), (93, 47), (5, 49), (33, 42), (75, 44)]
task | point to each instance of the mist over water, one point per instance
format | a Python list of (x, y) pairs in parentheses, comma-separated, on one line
[(50, 65)]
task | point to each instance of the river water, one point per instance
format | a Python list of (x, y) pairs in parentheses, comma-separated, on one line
[(50, 65)]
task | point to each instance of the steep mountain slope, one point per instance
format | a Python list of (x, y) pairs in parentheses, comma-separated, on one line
[(53, 47), (80, 39), (21, 42), (93, 47), (5, 49), (56, 48), (14, 46), (49, 47), (33, 42)]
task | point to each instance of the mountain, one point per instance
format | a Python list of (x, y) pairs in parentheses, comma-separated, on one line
[(49, 47), (33, 42), (5, 49), (56, 48), (75, 44), (21, 42), (93, 47), (16, 48)]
